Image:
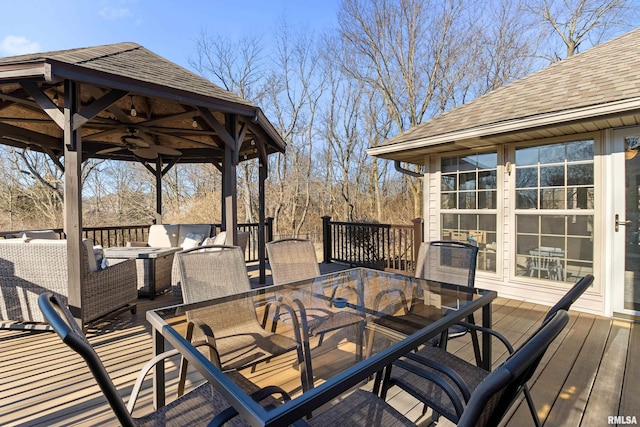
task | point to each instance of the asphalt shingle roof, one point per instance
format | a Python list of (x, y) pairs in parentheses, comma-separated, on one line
[(130, 60), (605, 73)]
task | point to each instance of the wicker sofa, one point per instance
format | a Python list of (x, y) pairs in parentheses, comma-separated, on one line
[(30, 267)]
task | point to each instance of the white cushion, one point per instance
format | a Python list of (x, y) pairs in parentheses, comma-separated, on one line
[(220, 238), (192, 240), (186, 229), (163, 235)]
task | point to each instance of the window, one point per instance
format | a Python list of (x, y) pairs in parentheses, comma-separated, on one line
[(468, 201), (554, 210)]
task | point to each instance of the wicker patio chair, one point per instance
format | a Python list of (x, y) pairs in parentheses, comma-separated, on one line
[(30, 269), (231, 330), (473, 374), (198, 407)]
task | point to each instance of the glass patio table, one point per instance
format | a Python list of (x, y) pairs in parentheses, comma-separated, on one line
[(340, 362)]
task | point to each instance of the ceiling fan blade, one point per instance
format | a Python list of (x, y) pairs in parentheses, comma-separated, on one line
[(146, 153), (134, 141), (161, 149), (110, 150)]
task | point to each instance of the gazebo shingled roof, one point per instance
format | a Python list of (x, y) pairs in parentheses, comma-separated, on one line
[(167, 97)]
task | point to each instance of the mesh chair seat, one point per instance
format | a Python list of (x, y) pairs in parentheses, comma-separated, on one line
[(360, 408), (198, 407), (419, 386)]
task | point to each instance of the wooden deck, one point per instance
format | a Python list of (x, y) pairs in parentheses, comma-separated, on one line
[(591, 372)]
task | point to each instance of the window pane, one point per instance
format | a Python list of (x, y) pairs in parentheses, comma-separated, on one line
[(526, 177), (448, 183), (580, 249), (487, 180), (552, 176), (552, 224), (527, 199), (488, 161), (487, 200), (527, 224), (552, 153), (468, 163), (448, 200), (580, 150), (527, 156), (580, 198), (580, 174), (449, 164), (467, 200), (449, 221), (468, 181), (580, 225), (552, 198)]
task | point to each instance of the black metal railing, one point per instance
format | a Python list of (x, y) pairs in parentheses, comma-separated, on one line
[(391, 247)]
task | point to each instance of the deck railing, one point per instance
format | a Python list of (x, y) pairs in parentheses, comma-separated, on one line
[(391, 247), (121, 234)]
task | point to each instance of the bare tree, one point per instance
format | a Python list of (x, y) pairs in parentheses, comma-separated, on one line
[(581, 22)]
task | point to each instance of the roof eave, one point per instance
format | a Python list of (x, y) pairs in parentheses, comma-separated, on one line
[(515, 125)]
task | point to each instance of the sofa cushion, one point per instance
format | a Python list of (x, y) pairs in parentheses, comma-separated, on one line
[(39, 234), (163, 235), (185, 229), (192, 240)]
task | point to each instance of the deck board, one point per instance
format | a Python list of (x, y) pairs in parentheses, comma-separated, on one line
[(590, 373)]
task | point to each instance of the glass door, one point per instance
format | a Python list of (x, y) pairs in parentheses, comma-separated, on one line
[(626, 284)]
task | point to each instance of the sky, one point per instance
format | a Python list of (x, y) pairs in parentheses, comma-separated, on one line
[(167, 28)]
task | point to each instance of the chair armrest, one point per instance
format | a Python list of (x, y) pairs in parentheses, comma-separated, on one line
[(259, 395), (439, 380), (143, 373), (490, 331), (109, 289)]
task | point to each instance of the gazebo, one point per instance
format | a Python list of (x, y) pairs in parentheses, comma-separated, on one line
[(123, 102)]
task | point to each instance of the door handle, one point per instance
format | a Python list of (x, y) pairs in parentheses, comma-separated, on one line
[(619, 223)]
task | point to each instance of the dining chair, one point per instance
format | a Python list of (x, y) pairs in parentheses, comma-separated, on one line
[(465, 393), (292, 260), (230, 330), (198, 407), (472, 374), (483, 405), (449, 262)]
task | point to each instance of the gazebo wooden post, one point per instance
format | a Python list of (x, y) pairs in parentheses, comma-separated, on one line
[(262, 244), (229, 184), (158, 175), (73, 197)]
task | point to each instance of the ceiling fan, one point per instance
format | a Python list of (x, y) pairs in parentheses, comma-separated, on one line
[(141, 146)]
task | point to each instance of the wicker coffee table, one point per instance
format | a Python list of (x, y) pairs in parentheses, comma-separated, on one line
[(153, 266)]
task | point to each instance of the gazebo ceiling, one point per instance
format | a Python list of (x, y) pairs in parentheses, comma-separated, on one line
[(138, 106)]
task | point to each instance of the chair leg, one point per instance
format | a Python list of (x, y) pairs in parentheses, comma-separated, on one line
[(532, 408), (184, 363)]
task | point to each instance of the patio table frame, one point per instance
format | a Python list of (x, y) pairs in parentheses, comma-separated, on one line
[(304, 404)]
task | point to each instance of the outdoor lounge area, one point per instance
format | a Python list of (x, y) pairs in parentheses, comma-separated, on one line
[(588, 374)]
